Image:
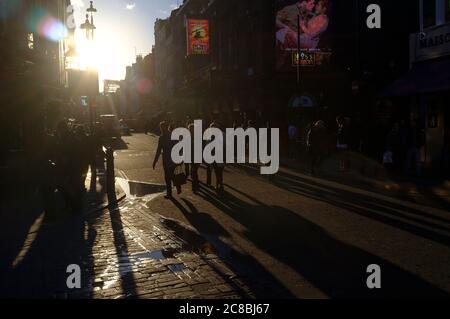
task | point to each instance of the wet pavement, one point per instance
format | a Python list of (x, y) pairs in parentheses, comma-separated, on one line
[(126, 251), (292, 236)]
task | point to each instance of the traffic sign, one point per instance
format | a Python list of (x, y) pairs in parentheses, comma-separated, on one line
[(84, 101)]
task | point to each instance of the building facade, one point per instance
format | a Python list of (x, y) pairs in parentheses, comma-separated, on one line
[(251, 70), (425, 89), (32, 68)]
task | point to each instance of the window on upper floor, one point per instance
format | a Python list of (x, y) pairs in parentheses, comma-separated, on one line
[(447, 10), (429, 13)]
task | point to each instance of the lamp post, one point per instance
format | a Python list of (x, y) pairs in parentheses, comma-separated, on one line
[(90, 28), (298, 52)]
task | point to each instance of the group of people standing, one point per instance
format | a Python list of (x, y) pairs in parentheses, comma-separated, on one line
[(66, 155), (403, 145), (177, 174), (320, 142), (403, 148)]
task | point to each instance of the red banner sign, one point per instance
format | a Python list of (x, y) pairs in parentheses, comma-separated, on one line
[(198, 37)]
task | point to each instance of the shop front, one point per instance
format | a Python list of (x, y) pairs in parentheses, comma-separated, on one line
[(427, 87)]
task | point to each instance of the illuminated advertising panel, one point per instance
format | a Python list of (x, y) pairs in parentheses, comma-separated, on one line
[(304, 22), (198, 37)]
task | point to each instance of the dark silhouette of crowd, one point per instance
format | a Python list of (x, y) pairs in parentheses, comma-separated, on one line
[(403, 148), (400, 151), (176, 175), (66, 155)]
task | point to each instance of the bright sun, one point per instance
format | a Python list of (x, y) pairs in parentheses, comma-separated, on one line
[(88, 54), (103, 54)]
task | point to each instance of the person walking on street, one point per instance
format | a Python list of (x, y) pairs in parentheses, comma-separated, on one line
[(393, 146), (218, 168), (165, 145), (81, 166), (317, 142), (209, 167), (343, 140), (194, 166), (415, 142), (292, 135), (66, 172), (187, 166), (46, 176)]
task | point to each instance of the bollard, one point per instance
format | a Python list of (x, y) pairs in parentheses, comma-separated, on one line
[(110, 175)]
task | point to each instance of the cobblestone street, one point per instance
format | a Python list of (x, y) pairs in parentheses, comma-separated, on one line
[(293, 236), (124, 252)]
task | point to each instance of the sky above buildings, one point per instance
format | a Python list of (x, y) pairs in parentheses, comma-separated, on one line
[(124, 28)]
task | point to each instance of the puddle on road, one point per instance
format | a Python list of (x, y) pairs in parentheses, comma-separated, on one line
[(177, 267), (156, 255), (125, 265), (160, 255), (135, 189)]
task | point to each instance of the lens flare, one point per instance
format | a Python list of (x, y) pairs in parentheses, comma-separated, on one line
[(45, 25)]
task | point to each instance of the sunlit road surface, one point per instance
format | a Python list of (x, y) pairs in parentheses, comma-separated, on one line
[(310, 237)]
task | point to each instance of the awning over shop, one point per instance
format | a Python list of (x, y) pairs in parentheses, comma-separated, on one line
[(426, 77)]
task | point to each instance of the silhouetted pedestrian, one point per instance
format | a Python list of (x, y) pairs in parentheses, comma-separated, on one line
[(343, 140), (394, 145), (165, 145), (317, 142), (217, 167), (292, 135), (187, 166), (46, 176), (64, 160), (415, 142), (194, 166), (81, 165)]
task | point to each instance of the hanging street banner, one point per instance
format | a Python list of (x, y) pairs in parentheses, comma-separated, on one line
[(198, 37)]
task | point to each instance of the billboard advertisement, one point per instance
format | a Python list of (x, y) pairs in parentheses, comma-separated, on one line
[(304, 22), (198, 37)]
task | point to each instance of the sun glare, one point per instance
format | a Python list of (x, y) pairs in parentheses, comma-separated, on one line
[(88, 54), (104, 54)]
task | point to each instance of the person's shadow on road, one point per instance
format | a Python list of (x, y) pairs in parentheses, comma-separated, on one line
[(336, 268)]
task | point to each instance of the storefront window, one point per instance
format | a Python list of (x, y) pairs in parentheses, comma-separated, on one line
[(429, 13)]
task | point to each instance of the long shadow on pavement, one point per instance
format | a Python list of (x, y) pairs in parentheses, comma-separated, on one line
[(261, 283), (399, 216), (385, 211), (336, 268)]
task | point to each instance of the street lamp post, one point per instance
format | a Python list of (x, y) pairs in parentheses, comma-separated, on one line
[(90, 28), (298, 52)]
